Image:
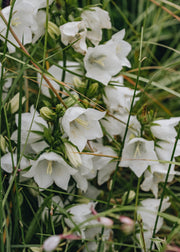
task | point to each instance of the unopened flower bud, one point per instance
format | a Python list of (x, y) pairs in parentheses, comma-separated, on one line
[(130, 198), (127, 224), (53, 30), (13, 105), (72, 154), (92, 90), (51, 243), (2, 144), (70, 101), (79, 85), (107, 222), (47, 114)]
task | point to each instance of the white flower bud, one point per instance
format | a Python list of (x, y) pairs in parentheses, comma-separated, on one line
[(53, 30), (47, 114), (2, 144), (73, 155), (51, 243), (107, 222), (14, 103)]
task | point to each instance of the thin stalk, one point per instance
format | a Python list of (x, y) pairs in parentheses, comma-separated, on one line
[(34, 64), (1, 90), (127, 125), (164, 186)]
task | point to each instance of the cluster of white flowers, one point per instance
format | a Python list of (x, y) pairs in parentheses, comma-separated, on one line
[(65, 146)]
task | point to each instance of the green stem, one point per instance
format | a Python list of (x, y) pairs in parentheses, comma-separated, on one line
[(127, 125), (164, 187)]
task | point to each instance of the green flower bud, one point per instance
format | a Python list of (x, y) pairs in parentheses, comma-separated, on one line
[(79, 85), (72, 100), (130, 198), (53, 30), (92, 90), (47, 114), (2, 144)]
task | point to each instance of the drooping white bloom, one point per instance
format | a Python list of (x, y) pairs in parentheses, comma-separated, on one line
[(164, 129), (148, 213), (154, 176), (138, 154), (104, 61), (116, 125), (96, 19), (26, 22), (118, 98), (7, 162), (84, 172), (104, 164), (80, 213), (101, 63), (56, 72), (82, 124), (48, 168), (164, 149), (26, 120), (74, 33), (122, 47), (22, 19)]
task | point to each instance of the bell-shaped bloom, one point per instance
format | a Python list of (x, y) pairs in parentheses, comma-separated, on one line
[(116, 125), (118, 99), (164, 149), (104, 61), (74, 33), (164, 129), (82, 124), (148, 213), (96, 19), (138, 154), (156, 174), (101, 63), (103, 161), (7, 162), (48, 168), (37, 125), (22, 19), (122, 47), (80, 213), (57, 72)]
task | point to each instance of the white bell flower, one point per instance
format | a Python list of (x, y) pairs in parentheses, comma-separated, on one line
[(116, 125), (119, 98), (154, 176), (138, 154), (148, 213), (26, 120), (57, 72), (82, 124), (104, 61), (104, 164), (6, 162), (22, 19), (72, 31), (96, 19), (101, 63), (164, 129), (122, 47), (48, 168)]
